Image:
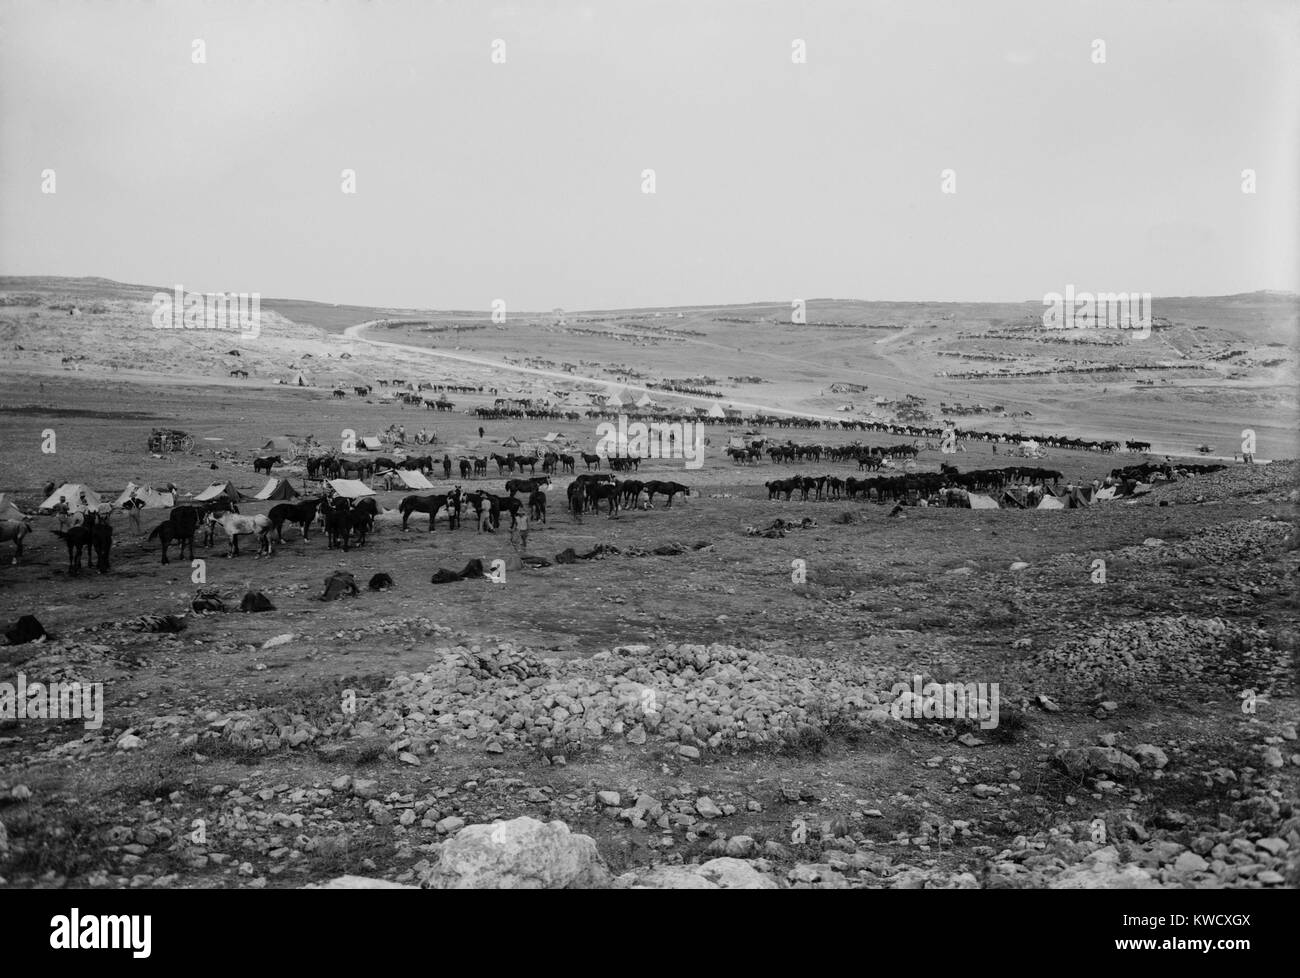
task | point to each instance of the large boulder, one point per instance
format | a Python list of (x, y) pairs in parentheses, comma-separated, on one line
[(521, 854), (723, 873), (1084, 761), (359, 883)]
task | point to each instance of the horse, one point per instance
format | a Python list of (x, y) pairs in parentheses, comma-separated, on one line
[(339, 522), (493, 503), (527, 485), (298, 514), (181, 524), (266, 462), (537, 506), (14, 530), (466, 467), (591, 460), (422, 504), (235, 526), (577, 499), (364, 513), (671, 489), (566, 463), (630, 493), (604, 490), (504, 462), (96, 534)]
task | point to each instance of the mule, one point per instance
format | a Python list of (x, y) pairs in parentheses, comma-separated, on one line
[(266, 462)]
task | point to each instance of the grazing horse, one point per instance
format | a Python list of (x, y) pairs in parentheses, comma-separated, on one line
[(604, 490), (14, 530), (236, 526), (591, 460), (671, 489), (630, 493), (527, 485), (299, 514), (265, 462), (423, 504)]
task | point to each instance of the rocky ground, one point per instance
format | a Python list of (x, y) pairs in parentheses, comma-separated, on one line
[(700, 717)]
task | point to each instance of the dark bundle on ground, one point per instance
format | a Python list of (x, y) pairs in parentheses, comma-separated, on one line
[(474, 569), (157, 623), (25, 629), (340, 584), (256, 601), (380, 582)]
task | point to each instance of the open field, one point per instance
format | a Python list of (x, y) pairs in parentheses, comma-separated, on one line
[(1122, 703)]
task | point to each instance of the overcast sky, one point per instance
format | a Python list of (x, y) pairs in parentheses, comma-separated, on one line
[(774, 180)]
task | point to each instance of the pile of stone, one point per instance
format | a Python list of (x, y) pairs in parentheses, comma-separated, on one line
[(502, 696), (1162, 648)]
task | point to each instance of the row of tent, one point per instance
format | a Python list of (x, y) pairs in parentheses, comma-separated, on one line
[(81, 497), (625, 399), (1059, 497)]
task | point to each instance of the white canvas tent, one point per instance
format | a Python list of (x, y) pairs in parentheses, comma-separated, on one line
[(277, 488), (552, 436), (151, 497), (72, 493), (1104, 494), (350, 488), (716, 411), (616, 399), (979, 500), (644, 400), (371, 443), (1050, 502), (413, 479), (219, 490), (279, 444)]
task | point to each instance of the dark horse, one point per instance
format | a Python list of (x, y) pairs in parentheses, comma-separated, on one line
[(341, 522), (265, 463), (181, 525), (427, 504), (298, 514), (93, 533)]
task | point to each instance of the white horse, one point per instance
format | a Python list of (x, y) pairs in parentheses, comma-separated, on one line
[(14, 530), (236, 526)]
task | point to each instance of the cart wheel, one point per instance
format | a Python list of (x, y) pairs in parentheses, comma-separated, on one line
[(187, 444)]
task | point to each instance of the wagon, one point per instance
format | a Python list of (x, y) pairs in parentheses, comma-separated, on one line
[(170, 440)]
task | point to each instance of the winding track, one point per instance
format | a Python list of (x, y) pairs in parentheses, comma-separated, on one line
[(356, 333)]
